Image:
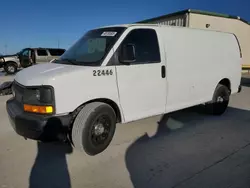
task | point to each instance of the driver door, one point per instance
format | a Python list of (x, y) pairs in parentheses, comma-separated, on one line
[(142, 83), (25, 58)]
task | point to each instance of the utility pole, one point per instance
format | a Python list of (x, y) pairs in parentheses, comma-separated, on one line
[(5, 48), (58, 43)]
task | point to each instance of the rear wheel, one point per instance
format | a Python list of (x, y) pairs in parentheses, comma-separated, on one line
[(220, 100), (10, 68), (94, 128)]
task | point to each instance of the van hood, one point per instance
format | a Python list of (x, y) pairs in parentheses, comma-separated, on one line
[(42, 74)]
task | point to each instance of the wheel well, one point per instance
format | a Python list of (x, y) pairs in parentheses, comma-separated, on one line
[(8, 62), (226, 82), (107, 101)]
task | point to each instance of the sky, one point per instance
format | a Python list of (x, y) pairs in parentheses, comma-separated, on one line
[(53, 23)]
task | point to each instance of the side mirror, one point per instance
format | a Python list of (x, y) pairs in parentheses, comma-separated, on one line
[(127, 54)]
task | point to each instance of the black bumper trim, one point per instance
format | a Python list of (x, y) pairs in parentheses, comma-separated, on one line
[(36, 126)]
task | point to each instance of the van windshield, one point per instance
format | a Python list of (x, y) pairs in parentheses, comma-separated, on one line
[(92, 48)]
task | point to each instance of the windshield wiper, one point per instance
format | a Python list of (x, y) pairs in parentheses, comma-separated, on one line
[(71, 61), (81, 63)]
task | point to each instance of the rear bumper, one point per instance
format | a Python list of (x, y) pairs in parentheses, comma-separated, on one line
[(36, 127)]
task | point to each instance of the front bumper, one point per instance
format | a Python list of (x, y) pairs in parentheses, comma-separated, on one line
[(36, 126)]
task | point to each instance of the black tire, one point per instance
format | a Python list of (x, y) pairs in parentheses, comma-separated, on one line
[(85, 128), (220, 101), (10, 67)]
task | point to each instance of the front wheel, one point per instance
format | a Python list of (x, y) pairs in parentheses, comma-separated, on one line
[(10, 68), (220, 100), (94, 128)]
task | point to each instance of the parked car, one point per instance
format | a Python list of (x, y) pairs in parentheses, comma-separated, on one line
[(28, 57), (120, 74)]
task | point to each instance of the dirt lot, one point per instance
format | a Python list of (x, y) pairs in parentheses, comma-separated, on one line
[(183, 149)]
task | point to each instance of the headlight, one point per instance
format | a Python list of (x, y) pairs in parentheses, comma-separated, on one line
[(38, 95), (1, 60), (45, 95), (39, 100), (42, 95)]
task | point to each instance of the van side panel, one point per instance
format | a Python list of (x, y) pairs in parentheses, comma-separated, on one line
[(196, 62)]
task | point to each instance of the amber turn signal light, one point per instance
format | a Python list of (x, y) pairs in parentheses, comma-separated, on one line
[(38, 109)]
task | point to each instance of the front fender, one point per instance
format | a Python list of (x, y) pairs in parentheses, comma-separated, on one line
[(12, 59), (78, 87), (116, 106)]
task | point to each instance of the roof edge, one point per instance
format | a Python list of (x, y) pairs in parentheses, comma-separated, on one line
[(194, 11), (208, 13), (164, 16)]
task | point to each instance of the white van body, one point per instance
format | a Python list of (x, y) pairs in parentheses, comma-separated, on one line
[(185, 67), (196, 61)]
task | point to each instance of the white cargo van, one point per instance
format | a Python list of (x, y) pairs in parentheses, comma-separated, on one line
[(123, 73)]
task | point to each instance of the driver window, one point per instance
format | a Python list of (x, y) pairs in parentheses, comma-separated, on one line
[(26, 53), (146, 45)]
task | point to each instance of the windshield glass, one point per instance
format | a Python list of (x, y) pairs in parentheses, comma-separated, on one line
[(92, 48), (22, 51)]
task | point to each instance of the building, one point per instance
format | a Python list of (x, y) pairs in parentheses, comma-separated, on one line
[(212, 21)]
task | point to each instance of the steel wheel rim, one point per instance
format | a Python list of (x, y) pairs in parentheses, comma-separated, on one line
[(11, 69), (100, 130), (222, 98)]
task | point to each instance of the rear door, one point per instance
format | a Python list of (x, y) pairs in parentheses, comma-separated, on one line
[(41, 56), (142, 84)]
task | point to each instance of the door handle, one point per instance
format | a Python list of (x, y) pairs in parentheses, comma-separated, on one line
[(163, 71)]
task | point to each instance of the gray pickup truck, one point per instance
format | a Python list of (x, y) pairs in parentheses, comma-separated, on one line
[(27, 57)]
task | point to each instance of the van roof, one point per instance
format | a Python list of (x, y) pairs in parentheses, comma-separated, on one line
[(160, 25), (130, 25)]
